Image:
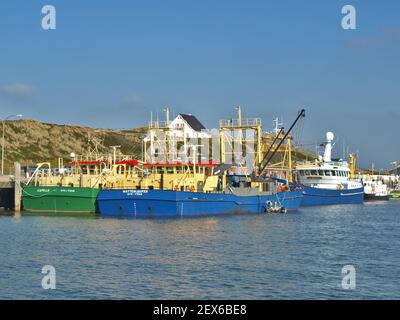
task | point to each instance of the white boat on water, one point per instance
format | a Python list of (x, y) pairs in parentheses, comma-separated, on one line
[(326, 181), (375, 190)]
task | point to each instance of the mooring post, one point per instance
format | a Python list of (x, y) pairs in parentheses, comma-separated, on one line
[(17, 187)]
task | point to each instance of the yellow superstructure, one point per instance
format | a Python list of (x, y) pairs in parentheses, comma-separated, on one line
[(159, 176)]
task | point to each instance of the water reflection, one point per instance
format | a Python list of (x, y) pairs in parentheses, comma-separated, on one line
[(58, 215), (295, 255)]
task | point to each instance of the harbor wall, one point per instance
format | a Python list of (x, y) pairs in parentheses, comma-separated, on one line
[(7, 191), (7, 198)]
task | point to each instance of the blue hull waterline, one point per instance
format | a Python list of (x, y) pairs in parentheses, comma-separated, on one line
[(320, 197), (163, 203)]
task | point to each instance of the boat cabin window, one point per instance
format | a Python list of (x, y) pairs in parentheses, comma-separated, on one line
[(301, 172), (84, 169), (170, 170), (314, 172), (321, 172), (328, 173), (307, 172), (333, 173)]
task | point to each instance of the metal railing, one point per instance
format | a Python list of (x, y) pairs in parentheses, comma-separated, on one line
[(235, 123), (107, 157), (158, 125)]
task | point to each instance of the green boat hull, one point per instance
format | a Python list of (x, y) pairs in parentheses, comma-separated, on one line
[(394, 196), (55, 199)]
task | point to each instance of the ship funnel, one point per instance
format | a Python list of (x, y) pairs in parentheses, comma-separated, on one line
[(328, 147)]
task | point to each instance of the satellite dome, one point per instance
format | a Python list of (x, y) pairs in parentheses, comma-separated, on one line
[(329, 136)]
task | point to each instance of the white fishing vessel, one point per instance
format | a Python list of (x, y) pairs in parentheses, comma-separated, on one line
[(326, 181)]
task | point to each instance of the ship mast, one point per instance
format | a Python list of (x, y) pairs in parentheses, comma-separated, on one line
[(353, 165)]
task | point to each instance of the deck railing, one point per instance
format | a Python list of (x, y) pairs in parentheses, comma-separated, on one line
[(158, 125), (235, 123)]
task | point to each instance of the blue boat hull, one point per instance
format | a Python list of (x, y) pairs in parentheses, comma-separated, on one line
[(320, 197), (163, 203)]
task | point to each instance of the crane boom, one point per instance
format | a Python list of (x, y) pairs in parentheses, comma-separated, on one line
[(263, 164)]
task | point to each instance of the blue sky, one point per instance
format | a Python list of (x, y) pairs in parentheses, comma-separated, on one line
[(110, 63)]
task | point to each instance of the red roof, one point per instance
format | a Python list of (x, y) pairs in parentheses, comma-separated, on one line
[(202, 164), (75, 163), (135, 162), (128, 162)]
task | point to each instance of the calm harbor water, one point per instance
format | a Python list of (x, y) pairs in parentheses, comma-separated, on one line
[(288, 256)]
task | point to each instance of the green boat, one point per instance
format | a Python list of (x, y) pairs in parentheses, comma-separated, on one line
[(394, 195), (74, 192), (56, 199)]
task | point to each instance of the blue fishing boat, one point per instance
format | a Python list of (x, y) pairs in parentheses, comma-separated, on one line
[(169, 203), (171, 188), (328, 182)]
